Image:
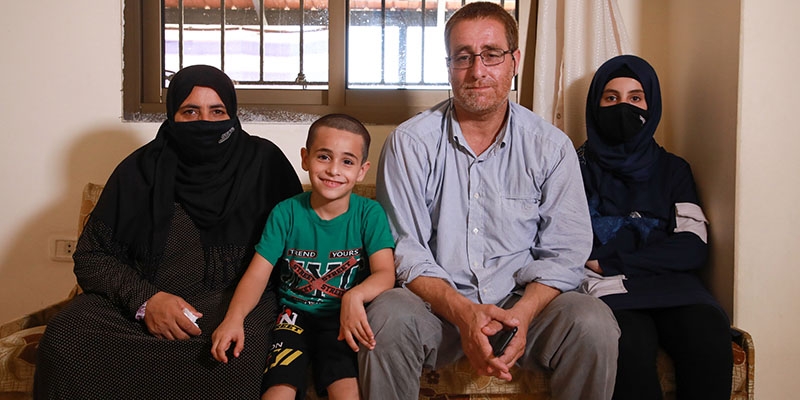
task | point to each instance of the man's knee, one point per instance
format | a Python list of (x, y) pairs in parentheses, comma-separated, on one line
[(394, 314), (401, 323), (590, 323)]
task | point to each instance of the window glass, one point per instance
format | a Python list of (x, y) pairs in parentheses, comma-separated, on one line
[(396, 46), (400, 44), (293, 60), (287, 48), (390, 44)]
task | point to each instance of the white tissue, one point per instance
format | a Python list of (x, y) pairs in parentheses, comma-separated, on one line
[(191, 316)]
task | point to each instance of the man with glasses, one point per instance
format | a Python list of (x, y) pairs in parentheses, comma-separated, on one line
[(486, 203)]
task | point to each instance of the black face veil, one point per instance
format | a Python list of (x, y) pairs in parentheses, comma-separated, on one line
[(633, 157), (214, 180)]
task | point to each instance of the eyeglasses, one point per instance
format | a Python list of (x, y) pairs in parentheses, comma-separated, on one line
[(488, 58)]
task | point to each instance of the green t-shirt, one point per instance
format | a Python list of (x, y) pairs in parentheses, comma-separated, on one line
[(319, 260)]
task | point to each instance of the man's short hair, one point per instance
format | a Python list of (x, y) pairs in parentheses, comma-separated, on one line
[(342, 122), (480, 10)]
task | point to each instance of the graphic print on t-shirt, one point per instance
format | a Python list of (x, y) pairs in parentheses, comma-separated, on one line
[(319, 284), (311, 279)]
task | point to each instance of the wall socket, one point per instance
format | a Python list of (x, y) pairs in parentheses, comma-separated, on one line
[(61, 249)]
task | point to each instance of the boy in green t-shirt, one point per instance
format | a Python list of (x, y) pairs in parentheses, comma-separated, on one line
[(333, 251)]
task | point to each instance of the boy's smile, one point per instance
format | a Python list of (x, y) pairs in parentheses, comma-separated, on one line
[(334, 164)]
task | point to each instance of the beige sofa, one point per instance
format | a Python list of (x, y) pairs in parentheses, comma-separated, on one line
[(19, 340)]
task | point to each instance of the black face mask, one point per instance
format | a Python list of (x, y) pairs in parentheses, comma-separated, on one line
[(620, 123), (199, 142)]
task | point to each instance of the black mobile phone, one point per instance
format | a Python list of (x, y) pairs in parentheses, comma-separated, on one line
[(500, 340)]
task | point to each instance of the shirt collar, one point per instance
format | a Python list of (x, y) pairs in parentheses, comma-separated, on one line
[(501, 141)]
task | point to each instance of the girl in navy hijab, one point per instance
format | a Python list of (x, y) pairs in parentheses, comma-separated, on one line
[(648, 226)]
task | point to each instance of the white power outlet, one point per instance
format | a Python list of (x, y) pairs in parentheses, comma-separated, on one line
[(61, 248)]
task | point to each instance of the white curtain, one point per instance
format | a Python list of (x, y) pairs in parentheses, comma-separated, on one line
[(573, 38)]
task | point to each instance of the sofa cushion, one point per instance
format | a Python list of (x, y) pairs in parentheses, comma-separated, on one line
[(18, 360), (460, 378)]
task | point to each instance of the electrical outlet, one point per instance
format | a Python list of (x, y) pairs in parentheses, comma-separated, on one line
[(61, 249)]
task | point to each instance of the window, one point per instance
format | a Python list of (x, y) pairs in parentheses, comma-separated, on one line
[(259, 44), (378, 60)]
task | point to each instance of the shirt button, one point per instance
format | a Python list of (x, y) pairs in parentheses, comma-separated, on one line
[(476, 195), (475, 231)]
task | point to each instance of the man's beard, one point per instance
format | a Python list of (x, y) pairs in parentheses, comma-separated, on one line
[(484, 102)]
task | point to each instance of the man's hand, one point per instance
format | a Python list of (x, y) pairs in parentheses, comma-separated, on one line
[(476, 322), (515, 348), (536, 297), (164, 317), (486, 320)]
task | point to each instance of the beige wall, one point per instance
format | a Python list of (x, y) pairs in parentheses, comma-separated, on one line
[(680, 38), (768, 194), (61, 104), (728, 109)]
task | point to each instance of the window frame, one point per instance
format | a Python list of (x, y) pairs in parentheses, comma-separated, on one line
[(143, 97)]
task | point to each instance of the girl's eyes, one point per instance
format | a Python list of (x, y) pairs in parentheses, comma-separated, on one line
[(615, 99)]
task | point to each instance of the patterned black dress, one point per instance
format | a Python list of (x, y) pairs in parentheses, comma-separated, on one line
[(180, 215), (95, 350)]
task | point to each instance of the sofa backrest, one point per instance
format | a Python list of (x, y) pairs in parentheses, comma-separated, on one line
[(91, 192)]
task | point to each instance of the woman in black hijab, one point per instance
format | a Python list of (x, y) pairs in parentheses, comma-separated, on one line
[(649, 227), (172, 232)]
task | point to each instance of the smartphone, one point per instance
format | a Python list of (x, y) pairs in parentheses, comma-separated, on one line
[(500, 340)]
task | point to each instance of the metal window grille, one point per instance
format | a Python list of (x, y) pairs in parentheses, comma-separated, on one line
[(408, 50), (239, 30), (390, 44)]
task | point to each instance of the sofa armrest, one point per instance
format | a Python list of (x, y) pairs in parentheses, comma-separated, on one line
[(38, 318), (745, 341)]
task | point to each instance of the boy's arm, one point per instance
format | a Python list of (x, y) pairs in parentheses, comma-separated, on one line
[(250, 288), (380, 279), (245, 298), (353, 317)]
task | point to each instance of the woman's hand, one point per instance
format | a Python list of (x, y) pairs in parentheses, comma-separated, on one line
[(164, 317), (594, 265)]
